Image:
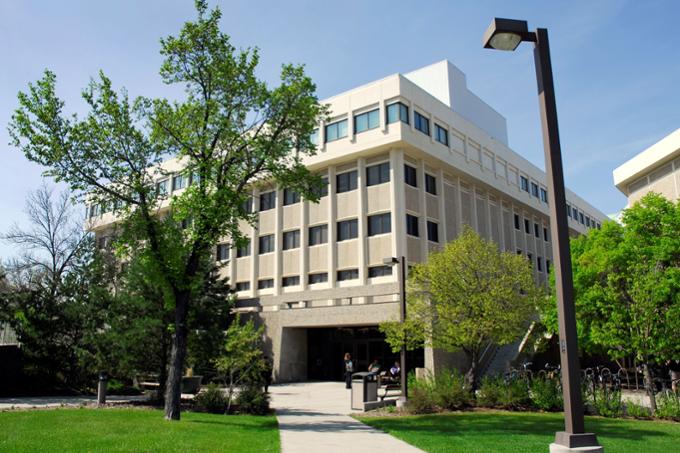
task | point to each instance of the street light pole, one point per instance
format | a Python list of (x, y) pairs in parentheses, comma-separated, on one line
[(401, 263), (506, 34)]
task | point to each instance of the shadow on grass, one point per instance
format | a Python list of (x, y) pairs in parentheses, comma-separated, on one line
[(227, 422)]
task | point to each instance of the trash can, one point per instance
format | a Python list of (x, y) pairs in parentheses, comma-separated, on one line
[(364, 389)]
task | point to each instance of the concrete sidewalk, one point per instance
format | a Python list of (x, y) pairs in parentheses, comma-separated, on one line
[(28, 402), (313, 417)]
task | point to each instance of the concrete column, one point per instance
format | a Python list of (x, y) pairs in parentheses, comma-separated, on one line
[(397, 203), (362, 241), (254, 246), (460, 205), (304, 244), (278, 242), (442, 207), (422, 220), (332, 210)]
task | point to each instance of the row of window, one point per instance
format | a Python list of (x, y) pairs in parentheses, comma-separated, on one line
[(412, 228), (535, 191), (411, 178), (584, 219), (539, 262), (318, 277), (527, 228)]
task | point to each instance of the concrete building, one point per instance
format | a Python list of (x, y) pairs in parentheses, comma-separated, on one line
[(656, 169), (409, 159)]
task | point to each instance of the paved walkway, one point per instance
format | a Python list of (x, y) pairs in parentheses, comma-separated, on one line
[(313, 417), (28, 402)]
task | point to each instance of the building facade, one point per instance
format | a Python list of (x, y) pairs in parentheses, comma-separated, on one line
[(409, 160)]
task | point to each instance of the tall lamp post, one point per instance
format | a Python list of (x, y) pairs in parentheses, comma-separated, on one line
[(507, 34), (401, 265)]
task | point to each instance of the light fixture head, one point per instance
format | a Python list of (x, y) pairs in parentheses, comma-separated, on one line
[(506, 34), (391, 261)]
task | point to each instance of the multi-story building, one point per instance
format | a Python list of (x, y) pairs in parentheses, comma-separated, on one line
[(409, 160), (656, 169)]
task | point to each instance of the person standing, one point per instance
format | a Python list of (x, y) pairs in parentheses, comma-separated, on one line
[(349, 369)]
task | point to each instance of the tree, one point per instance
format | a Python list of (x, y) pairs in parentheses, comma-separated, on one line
[(464, 297), (627, 286), (230, 131)]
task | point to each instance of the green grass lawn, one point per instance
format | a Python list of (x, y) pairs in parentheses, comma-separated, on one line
[(134, 430), (522, 432)]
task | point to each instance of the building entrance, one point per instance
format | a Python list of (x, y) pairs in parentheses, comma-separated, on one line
[(326, 348)]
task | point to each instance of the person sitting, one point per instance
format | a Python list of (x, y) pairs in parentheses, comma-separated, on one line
[(374, 367), (395, 371)]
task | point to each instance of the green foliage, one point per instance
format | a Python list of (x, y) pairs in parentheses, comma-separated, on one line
[(668, 406), (252, 400), (606, 402), (637, 410), (495, 391), (211, 399), (446, 390), (421, 400), (546, 394), (490, 390)]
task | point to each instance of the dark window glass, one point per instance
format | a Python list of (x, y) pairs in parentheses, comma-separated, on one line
[(524, 183), (574, 213), (162, 187), (265, 283), (366, 121), (291, 239), (530, 257), (314, 136), (379, 224), (322, 190), (268, 200), (544, 195), (516, 221), (534, 189), (581, 218), (421, 123), (412, 225), (430, 184), (537, 230), (348, 274), (527, 226), (441, 135), (378, 174), (432, 231), (194, 178), (266, 244), (410, 176), (545, 234), (247, 206), (599, 226), (290, 197), (179, 182), (397, 112), (222, 252), (539, 264), (318, 234), (242, 286), (336, 131), (244, 250), (346, 181), (568, 211), (348, 229), (320, 277), (588, 221), (547, 266), (379, 271), (291, 281)]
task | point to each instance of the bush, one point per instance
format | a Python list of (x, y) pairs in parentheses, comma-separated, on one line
[(116, 387), (449, 390), (420, 401), (515, 394), (489, 393), (212, 400), (668, 406), (253, 400), (636, 410), (546, 394), (606, 402)]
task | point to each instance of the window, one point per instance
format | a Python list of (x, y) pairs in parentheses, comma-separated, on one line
[(534, 189), (186, 223), (519, 251), (378, 174), (379, 224), (539, 264), (432, 231), (318, 234), (421, 123), (194, 178), (366, 121), (290, 197), (242, 286), (574, 214), (544, 195), (599, 226), (524, 183), (397, 112), (547, 266), (314, 136), (291, 281), (247, 206), (266, 244), (581, 218), (243, 250), (517, 221), (545, 234), (441, 135), (95, 210), (527, 226), (530, 257), (291, 239), (265, 283), (222, 252), (179, 182), (588, 221), (320, 277), (336, 131), (412, 225), (322, 190), (430, 184), (537, 230), (379, 271), (348, 274), (348, 229), (410, 176), (568, 211), (162, 187), (346, 181), (268, 200)]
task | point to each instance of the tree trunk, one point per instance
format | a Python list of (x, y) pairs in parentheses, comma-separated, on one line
[(649, 386), (471, 374), (173, 390), (163, 369)]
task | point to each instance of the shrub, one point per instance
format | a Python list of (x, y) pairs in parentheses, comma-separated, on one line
[(449, 391), (252, 400), (515, 394), (637, 410), (212, 400), (489, 393), (116, 387), (546, 394), (606, 402), (420, 401), (668, 406)]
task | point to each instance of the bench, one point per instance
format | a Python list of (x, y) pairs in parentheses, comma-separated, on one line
[(387, 384)]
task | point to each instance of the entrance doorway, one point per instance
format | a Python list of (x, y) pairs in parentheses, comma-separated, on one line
[(326, 348)]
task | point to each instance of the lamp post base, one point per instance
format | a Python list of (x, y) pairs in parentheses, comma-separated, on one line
[(575, 443), (401, 402)]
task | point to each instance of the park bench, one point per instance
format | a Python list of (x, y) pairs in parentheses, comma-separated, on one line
[(387, 384), (146, 381)]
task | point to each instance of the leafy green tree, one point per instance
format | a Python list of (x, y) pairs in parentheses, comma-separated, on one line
[(230, 131), (627, 286), (464, 297)]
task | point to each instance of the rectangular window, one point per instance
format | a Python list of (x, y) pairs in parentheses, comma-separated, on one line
[(378, 174), (421, 123), (348, 229), (293, 280), (336, 131), (599, 226), (291, 239), (243, 250), (539, 264), (162, 187), (527, 226), (314, 136), (430, 184), (265, 283), (348, 274), (379, 224), (320, 277), (432, 231), (517, 221), (346, 181), (412, 225), (530, 257), (581, 218), (537, 230), (441, 135), (290, 197), (544, 195), (379, 271), (524, 183), (568, 211), (266, 244), (194, 178), (534, 189), (547, 266), (247, 206), (242, 286), (574, 213), (318, 234), (222, 252), (410, 176), (366, 121), (588, 221), (268, 200), (397, 112), (545, 234), (179, 182), (322, 190)]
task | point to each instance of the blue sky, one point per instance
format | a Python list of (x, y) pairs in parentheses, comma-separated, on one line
[(615, 62)]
